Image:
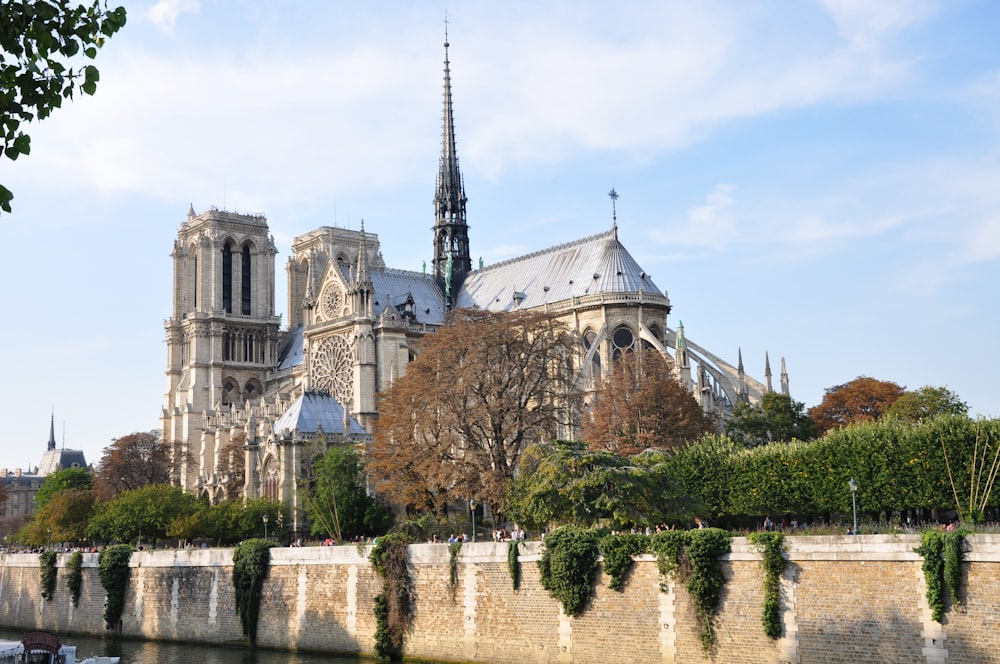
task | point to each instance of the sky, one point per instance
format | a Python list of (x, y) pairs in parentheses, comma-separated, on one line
[(818, 181)]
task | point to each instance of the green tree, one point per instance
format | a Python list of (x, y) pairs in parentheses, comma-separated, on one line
[(861, 400), (925, 403), (43, 48), (62, 480), (63, 518), (251, 520), (338, 503), (150, 512), (565, 483), (777, 418)]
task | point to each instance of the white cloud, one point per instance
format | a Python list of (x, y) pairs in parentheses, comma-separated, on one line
[(164, 13)]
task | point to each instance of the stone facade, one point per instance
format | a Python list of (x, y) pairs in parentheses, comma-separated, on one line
[(844, 599)]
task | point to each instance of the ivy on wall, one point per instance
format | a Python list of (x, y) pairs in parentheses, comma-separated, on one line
[(619, 552), (74, 577), (251, 564), (394, 605), (514, 564), (113, 571), (771, 546), (943, 553), (568, 566), (47, 563)]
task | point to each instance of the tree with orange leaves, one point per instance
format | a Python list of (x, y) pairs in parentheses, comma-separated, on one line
[(482, 389), (863, 399), (641, 406)]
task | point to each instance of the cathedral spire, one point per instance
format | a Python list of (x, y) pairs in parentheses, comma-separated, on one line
[(451, 231), (784, 377), (613, 195), (767, 371), (52, 432)]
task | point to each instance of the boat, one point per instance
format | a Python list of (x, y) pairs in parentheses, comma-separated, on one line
[(41, 647)]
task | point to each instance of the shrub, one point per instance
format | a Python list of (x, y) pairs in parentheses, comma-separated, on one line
[(514, 564), (113, 571), (251, 563), (74, 576), (619, 552), (47, 562), (568, 566), (394, 605), (771, 546)]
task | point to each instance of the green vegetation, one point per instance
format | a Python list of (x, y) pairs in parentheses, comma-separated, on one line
[(514, 564), (47, 562), (251, 563), (771, 546), (454, 549), (618, 552), (943, 553), (74, 576), (114, 574), (394, 605), (336, 498), (568, 566)]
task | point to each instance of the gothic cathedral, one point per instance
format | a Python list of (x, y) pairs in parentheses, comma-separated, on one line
[(240, 385)]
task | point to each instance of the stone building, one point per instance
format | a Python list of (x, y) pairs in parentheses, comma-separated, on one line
[(352, 323)]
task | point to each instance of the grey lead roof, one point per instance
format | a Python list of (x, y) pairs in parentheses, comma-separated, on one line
[(314, 411), (591, 265), (428, 300)]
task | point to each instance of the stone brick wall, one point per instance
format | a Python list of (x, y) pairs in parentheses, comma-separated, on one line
[(844, 599)]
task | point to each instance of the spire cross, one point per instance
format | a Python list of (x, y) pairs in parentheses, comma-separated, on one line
[(446, 28), (613, 195)]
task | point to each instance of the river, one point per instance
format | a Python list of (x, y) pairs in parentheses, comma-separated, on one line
[(155, 652)]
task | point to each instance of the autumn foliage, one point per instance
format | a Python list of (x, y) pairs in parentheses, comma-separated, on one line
[(863, 399), (641, 406), (131, 462), (482, 389)]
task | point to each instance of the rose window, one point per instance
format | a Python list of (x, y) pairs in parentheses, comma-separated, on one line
[(332, 365), (331, 302)]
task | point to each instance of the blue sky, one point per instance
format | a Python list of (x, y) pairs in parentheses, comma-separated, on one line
[(817, 180)]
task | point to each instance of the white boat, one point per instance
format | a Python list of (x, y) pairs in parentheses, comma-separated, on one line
[(41, 647)]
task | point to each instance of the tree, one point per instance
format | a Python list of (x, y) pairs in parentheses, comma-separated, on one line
[(336, 500), (63, 480), (483, 387), (150, 512), (40, 64), (777, 418), (63, 518), (565, 483), (232, 462), (926, 403), (131, 462), (642, 406), (863, 399)]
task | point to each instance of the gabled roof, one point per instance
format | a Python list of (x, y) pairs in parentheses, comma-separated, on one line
[(428, 300), (589, 266), (312, 412)]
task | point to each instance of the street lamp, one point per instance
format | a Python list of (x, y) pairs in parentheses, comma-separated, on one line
[(854, 501), (265, 526), (472, 508)]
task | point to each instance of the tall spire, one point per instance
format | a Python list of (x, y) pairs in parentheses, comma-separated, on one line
[(784, 377), (767, 371), (613, 195), (451, 231), (52, 432)]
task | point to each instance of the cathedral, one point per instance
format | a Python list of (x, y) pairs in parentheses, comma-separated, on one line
[(240, 384)]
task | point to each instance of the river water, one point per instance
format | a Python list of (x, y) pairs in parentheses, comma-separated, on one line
[(151, 652)]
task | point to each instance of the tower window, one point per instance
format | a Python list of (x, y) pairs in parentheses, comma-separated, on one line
[(227, 278), (246, 281), (623, 341)]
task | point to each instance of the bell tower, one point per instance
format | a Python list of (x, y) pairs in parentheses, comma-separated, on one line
[(222, 335)]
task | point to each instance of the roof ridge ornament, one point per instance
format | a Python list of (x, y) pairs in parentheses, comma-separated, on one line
[(613, 195)]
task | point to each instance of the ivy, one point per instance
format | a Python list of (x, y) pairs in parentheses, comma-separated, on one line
[(47, 562), (954, 555), (568, 566), (619, 553), (454, 549), (514, 564), (771, 546), (74, 577), (251, 564), (394, 605), (694, 558), (113, 571), (932, 549)]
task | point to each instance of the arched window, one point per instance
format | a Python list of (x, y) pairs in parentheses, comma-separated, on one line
[(230, 390), (623, 341), (246, 281), (589, 339), (227, 278)]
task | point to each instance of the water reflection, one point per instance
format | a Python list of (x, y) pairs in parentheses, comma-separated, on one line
[(151, 652)]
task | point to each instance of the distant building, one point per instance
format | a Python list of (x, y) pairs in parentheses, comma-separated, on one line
[(21, 486), (352, 323)]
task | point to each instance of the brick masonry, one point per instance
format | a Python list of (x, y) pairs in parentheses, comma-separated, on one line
[(844, 599)]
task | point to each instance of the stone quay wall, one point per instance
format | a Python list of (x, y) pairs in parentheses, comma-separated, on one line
[(844, 599)]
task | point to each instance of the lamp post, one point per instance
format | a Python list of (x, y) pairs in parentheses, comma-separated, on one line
[(472, 508), (854, 501), (50, 539), (265, 526)]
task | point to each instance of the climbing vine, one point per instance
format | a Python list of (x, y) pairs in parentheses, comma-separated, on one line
[(394, 605), (694, 558), (568, 566), (74, 576), (47, 562), (514, 564), (454, 549), (619, 553), (251, 564), (943, 553), (113, 571), (771, 546)]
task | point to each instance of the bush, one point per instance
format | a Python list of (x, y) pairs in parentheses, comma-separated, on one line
[(771, 546), (47, 561), (619, 552), (114, 574), (251, 563), (568, 566), (74, 576), (394, 605)]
